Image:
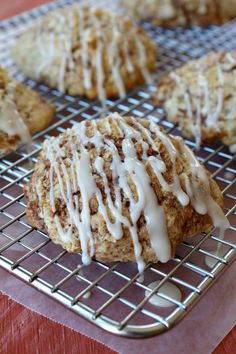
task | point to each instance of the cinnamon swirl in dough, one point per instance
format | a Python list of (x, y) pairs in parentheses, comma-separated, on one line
[(121, 189), (201, 97), (172, 13), (86, 51), (22, 113)]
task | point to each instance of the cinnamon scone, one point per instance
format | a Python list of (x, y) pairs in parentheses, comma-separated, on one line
[(22, 113), (201, 97), (172, 13), (121, 189), (86, 51)]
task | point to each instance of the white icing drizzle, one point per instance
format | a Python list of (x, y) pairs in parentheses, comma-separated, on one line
[(147, 203), (61, 76), (166, 10), (231, 116), (142, 57), (230, 58), (87, 295), (124, 170), (159, 166), (99, 57), (47, 52), (114, 59), (197, 127), (65, 42), (232, 148), (203, 84), (213, 117), (128, 61), (81, 272), (229, 175), (202, 7), (201, 198), (167, 289), (11, 121), (187, 98), (195, 118), (108, 126), (71, 25), (85, 50), (197, 109), (210, 261), (58, 47)]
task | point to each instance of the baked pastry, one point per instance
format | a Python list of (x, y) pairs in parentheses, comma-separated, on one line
[(121, 189), (86, 51), (201, 97), (172, 13), (22, 113)]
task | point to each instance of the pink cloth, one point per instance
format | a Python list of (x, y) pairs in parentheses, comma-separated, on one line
[(201, 330)]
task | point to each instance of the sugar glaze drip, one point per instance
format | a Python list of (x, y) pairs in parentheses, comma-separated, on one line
[(219, 252), (168, 289), (211, 261), (59, 48), (194, 106), (82, 179), (11, 121)]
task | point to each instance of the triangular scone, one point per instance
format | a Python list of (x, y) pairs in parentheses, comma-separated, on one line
[(201, 97), (22, 113), (172, 13), (86, 51), (121, 189)]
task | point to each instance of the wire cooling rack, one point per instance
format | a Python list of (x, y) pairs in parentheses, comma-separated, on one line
[(117, 302)]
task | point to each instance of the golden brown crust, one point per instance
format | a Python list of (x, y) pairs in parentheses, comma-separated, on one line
[(36, 113), (202, 83), (44, 46), (182, 222), (172, 13)]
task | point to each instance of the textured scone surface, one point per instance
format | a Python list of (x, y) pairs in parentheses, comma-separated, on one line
[(123, 178), (86, 51), (201, 97), (172, 13), (20, 106)]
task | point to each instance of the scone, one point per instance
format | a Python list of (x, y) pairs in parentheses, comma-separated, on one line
[(86, 51), (201, 97), (22, 113), (172, 13), (121, 189)]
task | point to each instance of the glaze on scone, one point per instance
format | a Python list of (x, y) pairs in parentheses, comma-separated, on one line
[(121, 189), (22, 113), (86, 51), (201, 97), (172, 13)]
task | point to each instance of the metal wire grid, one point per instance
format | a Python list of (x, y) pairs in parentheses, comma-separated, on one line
[(118, 302)]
